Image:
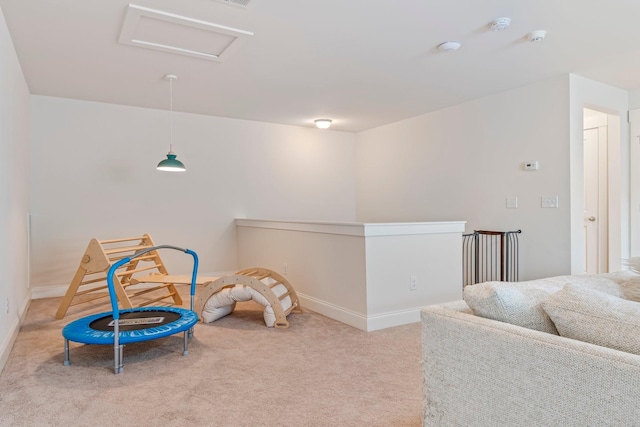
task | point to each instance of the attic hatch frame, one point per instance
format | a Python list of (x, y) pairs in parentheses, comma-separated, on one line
[(239, 3), (230, 39)]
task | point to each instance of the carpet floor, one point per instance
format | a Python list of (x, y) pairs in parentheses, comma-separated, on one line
[(318, 372)]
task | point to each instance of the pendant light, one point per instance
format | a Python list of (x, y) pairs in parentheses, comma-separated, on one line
[(171, 164)]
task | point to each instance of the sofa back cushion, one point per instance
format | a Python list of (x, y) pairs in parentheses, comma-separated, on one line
[(595, 317), (519, 303)]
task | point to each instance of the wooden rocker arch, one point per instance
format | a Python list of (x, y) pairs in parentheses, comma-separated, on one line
[(261, 280)]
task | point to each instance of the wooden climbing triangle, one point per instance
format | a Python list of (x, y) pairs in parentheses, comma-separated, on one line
[(95, 263)]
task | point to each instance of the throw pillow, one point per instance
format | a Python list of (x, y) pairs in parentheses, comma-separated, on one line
[(517, 303), (595, 317)]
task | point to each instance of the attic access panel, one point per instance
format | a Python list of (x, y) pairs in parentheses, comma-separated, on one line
[(240, 3), (168, 32)]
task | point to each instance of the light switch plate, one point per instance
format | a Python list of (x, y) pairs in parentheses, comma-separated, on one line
[(549, 201), (512, 202)]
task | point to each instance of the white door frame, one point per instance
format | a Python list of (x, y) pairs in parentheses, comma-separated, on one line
[(634, 182), (598, 123)]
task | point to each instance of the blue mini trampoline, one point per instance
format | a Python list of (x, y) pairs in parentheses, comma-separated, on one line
[(119, 327)]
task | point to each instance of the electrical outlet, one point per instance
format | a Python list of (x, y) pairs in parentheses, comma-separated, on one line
[(285, 267), (532, 166), (549, 201), (7, 305), (413, 283), (512, 202)]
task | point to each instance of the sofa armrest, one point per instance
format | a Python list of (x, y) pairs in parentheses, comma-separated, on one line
[(481, 372)]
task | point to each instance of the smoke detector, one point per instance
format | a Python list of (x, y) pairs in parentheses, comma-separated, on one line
[(536, 36), (500, 24), (450, 46)]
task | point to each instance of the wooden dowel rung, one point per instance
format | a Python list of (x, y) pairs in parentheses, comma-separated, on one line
[(125, 249), (126, 239), (88, 273), (271, 285), (283, 296), (137, 270), (89, 299), (99, 279), (147, 290), (249, 273), (88, 291), (113, 260), (156, 299)]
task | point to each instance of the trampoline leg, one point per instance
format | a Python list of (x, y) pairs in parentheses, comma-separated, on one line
[(186, 343), (67, 362), (118, 364)]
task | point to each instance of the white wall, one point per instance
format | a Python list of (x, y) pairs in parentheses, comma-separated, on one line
[(585, 93), (93, 175), (462, 162), (326, 269), (14, 193), (634, 99), (359, 273)]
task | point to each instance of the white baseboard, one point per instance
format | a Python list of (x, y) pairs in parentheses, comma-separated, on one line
[(333, 311), (39, 292), (7, 344), (357, 320), (391, 319)]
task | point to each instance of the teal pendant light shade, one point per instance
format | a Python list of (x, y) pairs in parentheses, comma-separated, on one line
[(171, 163)]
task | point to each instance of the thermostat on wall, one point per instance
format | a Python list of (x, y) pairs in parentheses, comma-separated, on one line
[(531, 166)]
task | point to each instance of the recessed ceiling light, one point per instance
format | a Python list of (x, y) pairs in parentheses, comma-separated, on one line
[(536, 36), (322, 123), (450, 46), (500, 24)]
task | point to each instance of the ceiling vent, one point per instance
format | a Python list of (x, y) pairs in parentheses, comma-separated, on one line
[(240, 3), (168, 32)]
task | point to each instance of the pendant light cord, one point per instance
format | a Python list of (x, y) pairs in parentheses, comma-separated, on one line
[(171, 115)]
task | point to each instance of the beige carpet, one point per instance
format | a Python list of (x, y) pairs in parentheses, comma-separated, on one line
[(318, 372)]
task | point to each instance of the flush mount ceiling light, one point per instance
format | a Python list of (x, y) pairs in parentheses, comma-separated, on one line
[(500, 24), (171, 164), (536, 36), (322, 123), (450, 46)]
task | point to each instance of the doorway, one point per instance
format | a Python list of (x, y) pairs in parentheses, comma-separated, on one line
[(596, 197), (601, 131)]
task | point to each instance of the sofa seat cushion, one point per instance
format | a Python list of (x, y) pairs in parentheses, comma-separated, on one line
[(595, 317)]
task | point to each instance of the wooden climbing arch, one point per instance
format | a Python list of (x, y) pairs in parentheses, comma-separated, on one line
[(263, 281)]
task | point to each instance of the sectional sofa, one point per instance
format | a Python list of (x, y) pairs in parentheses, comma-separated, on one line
[(562, 351)]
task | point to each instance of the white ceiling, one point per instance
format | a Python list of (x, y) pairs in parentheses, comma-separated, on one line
[(363, 63)]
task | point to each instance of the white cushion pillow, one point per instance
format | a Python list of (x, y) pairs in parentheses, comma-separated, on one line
[(517, 303), (595, 317)]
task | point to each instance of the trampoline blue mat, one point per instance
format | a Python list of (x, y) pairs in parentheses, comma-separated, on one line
[(81, 331)]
